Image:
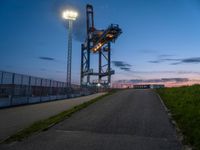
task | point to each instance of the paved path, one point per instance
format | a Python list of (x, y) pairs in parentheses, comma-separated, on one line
[(127, 120), (16, 118)]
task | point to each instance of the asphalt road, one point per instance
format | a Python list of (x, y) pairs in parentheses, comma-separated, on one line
[(16, 118), (127, 120)]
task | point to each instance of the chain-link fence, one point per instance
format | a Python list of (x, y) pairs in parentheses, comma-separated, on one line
[(18, 89)]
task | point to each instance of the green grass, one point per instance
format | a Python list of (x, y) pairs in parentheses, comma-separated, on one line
[(184, 104), (49, 122)]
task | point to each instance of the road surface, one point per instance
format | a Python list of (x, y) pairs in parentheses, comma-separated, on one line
[(127, 120), (16, 118)]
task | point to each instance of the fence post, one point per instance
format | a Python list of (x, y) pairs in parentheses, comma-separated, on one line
[(13, 89), (21, 87), (63, 90), (50, 89), (35, 88), (29, 89), (2, 73), (41, 91), (57, 91)]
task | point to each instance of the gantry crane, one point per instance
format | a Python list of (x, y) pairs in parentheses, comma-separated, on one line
[(97, 42)]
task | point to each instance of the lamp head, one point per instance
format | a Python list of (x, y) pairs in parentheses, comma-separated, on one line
[(70, 15)]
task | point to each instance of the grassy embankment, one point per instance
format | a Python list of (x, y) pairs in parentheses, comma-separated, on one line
[(184, 104), (49, 122)]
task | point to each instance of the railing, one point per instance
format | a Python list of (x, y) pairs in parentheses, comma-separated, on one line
[(18, 89)]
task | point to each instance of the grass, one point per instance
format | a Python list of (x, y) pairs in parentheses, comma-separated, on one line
[(184, 104), (45, 124)]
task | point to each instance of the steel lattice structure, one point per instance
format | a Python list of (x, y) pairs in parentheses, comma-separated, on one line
[(70, 16), (97, 42), (69, 54)]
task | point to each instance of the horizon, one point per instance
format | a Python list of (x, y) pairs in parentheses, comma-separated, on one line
[(160, 39)]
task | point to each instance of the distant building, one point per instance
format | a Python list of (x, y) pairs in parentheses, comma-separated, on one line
[(142, 86), (137, 86), (148, 86), (157, 86), (122, 85)]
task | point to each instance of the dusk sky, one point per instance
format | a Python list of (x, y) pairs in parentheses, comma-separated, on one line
[(161, 38)]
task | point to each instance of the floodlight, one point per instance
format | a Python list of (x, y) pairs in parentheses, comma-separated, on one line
[(70, 15)]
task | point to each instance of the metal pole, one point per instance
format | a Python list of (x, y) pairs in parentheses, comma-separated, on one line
[(57, 89), (13, 89), (100, 66), (2, 73), (69, 54), (21, 85), (82, 53), (90, 25), (29, 89), (41, 92), (109, 61), (88, 62), (50, 88)]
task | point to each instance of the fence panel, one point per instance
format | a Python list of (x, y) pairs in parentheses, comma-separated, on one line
[(17, 89), (17, 79), (7, 78)]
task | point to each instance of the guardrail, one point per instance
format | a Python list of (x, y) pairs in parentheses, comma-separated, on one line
[(18, 89)]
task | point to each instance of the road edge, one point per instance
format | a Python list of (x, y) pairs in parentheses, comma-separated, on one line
[(179, 134)]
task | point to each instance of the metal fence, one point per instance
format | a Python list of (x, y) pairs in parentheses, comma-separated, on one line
[(18, 89)]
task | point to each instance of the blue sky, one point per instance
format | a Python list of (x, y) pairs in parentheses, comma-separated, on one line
[(160, 38)]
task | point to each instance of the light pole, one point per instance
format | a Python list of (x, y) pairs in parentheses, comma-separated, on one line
[(70, 16)]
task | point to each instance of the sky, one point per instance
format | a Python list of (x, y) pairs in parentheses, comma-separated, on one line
[(160, 39)]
